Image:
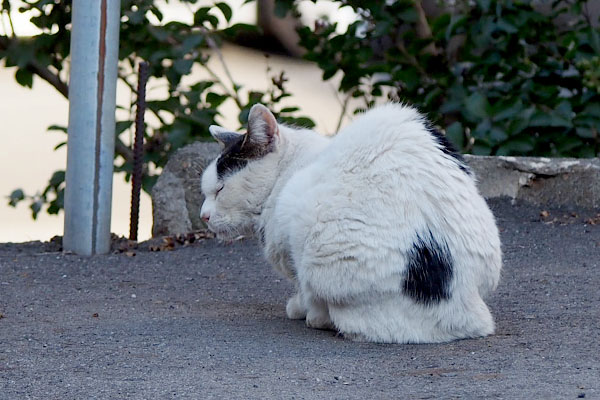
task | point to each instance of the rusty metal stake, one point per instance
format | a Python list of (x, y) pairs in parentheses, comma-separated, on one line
[(138, 151)]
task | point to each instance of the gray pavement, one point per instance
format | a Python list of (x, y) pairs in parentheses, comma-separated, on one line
[(208, 321)]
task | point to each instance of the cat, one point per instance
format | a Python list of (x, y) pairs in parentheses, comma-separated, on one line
[(381, 227)]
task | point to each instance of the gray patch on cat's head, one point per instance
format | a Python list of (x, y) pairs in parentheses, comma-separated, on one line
[(223, 136), (234, 157), (239, 149)]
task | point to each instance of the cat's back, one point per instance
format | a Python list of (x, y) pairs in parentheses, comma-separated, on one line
[(392, 138), (389, 162), (384, 123)]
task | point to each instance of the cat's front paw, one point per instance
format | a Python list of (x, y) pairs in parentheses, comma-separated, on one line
[(319, 319), (295, 308)]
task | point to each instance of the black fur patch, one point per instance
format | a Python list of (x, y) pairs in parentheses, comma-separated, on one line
[(448, 148), (236, 156), (429, 271), (230, 161)]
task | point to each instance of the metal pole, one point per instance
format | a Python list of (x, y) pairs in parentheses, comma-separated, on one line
[(91, 141)]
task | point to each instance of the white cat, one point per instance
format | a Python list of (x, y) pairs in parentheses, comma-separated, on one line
[(381, 228)]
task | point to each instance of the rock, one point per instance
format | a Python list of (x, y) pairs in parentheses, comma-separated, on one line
[(539, 180), (177, 196)]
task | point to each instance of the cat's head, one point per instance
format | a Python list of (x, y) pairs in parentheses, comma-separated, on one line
[(237, 183)]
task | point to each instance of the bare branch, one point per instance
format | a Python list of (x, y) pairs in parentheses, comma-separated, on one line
[(47, 75), (344, 105), (219, 82), (211, 43), (134, 90), (423, 28), (123, 150), (37, 69), (12, 26)]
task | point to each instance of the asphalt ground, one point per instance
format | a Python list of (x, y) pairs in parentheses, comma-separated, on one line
[(207, 320)]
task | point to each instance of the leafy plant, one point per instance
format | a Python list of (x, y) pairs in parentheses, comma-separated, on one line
[(173, 50), (504, 78)]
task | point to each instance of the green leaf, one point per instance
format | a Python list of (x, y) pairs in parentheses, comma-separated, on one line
[(567, 144), (215, 100), (586, 133), (497, 135), (521, 121), (282, 7), (456, 134), (592, 109), (58, 146), (484, 5), (595, 40), (586, 152), (191, 42), (226, 10), (481, 149), (121, 126), (179, 134), (57, 178), (201, 15), (432, 95), (254, 97), (183, 66), (36, 207), (508, 112), (565, 109), (201, 86), (516, 146), (457, 24), (24, 77), (477, 105), (304, 122), (237, 30), (57, 128), (16, 196), (506, 26), (409, 15), (549, 119)]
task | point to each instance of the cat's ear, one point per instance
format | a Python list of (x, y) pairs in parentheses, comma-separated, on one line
[(222, 135), (263, 130)]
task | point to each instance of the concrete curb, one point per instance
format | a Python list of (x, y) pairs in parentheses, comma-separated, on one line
[(539, 180)]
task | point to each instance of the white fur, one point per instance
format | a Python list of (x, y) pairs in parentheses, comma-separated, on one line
[(340, 217)]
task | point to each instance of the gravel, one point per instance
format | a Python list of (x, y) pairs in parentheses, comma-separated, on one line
[(207, 320)]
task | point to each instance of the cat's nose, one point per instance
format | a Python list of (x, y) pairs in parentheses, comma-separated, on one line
[(205, 217)]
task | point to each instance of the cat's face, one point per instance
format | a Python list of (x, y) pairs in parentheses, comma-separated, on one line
[(237, 183)]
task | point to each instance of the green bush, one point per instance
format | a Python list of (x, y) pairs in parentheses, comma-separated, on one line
[(503, 78)]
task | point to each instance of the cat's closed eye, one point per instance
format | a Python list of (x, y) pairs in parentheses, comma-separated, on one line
[(221, 186)]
